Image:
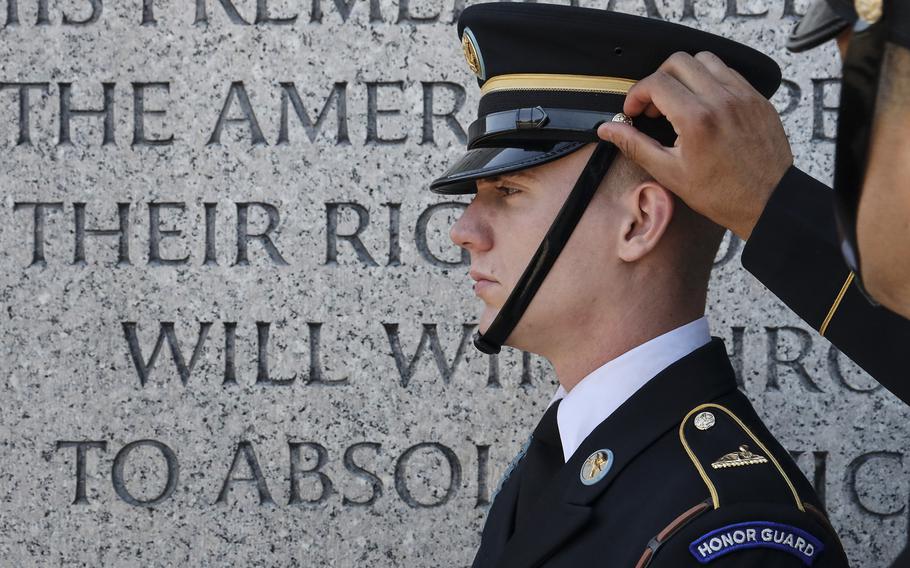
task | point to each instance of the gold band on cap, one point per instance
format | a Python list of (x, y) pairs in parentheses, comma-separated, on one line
[(556, 82)]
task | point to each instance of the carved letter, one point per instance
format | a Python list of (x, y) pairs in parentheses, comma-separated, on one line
[(819, 472), (262, 374), (834, 367), (401, 480), (81, 449), (246, 449), (420, 237), (405, 16), (38, 226), (820, 109), (123, 232), (316, 375), (374, 112), (211, 218), (315, 472), (249, 117), (733, 244), (67, 113), (795, 364), (332, 236), (406, 368), (25, 136), (794, 95), (229, 9), (92, 18), (371, 478), (173, 469), (736, 355), (244, 236), (394, 233), (148, 13), (166, 332), (483, 467), (139, 114), (344, 10), (852, 472), (338, 95), (458, 95), (263, 16), (156, 233), (733, 12)]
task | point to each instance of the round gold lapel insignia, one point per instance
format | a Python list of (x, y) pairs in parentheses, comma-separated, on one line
[(596, 466), (472, 54), (869, 10)]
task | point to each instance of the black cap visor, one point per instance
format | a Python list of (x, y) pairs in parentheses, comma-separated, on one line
[(820, 24), (488, 162)]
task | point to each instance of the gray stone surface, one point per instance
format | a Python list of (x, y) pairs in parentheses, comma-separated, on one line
[(364, 456)]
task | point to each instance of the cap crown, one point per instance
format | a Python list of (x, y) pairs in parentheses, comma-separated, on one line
[(582, 58)]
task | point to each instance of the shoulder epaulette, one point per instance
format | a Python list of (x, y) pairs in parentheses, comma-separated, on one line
[(732, 461)]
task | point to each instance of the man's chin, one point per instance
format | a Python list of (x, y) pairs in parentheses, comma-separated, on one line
[(486, 318)]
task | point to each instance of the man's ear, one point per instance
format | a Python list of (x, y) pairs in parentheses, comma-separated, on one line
[(647, 211)]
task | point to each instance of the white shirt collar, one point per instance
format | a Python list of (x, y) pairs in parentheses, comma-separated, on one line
[(604, 390)]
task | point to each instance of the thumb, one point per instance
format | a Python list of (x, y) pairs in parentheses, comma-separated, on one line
[(638, 147)]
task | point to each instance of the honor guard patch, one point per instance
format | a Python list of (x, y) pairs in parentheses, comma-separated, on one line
[(757, 534), (472, 54)]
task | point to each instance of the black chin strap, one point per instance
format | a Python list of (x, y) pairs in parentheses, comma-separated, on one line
[(549, 249)]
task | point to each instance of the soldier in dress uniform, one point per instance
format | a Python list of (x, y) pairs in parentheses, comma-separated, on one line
[(648, 455)]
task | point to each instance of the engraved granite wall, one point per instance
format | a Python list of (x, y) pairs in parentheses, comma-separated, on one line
[(234, 331)]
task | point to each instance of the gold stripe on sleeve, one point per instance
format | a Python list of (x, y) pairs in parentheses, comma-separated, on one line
[(836, 304)]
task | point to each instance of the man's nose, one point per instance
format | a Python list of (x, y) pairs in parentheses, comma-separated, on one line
[(470, 231)]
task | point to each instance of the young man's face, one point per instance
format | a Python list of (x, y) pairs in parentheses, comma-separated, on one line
[(502, 228)]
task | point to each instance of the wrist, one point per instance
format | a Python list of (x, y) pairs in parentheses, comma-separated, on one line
[(755, 200)]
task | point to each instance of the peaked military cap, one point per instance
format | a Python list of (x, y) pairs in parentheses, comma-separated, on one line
[(550, 74)]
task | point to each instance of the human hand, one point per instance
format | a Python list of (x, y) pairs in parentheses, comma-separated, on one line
[(731, 150)]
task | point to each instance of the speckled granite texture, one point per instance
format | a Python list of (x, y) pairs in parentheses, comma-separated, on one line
[(227, 376)]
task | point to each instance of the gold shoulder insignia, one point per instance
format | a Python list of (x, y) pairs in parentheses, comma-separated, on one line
[(738, 459), (710, 426)]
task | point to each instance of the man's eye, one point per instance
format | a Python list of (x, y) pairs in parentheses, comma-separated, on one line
[(506, 191)]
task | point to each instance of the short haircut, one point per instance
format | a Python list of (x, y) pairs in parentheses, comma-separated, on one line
[(695, 237)]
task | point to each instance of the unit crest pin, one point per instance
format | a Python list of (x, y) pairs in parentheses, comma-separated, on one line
[(596, 466), (704, 420)]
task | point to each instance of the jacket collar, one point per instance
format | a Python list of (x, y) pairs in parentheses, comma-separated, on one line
[(603, 390), (563, 510)]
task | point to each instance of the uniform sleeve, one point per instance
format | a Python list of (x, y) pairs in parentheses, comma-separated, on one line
[(752, 535), (794, 251), (898, 20)]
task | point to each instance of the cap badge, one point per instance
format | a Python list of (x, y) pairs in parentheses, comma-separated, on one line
[(621, 117), (472, 54), (704, 421), (739, 459), (596, 466), (869, 11)]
